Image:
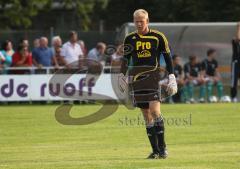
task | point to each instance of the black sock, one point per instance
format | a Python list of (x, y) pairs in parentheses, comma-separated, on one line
[(159, 128), (152, 138)]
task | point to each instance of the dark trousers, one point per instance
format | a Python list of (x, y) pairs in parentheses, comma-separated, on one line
[(235, 75)]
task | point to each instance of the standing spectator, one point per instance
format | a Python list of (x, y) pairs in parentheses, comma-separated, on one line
[(83, 47), (57, 48), (71, 50), (7, 48), (56, 43), (22, 58), (97, 53), (2, 59), (7, 51), (179, 74), (211, 74), (24, 42), (194, 77), (43, 56), (235, 66), (36, 43)]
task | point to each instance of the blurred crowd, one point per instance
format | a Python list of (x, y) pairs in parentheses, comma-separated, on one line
[(56, 55)]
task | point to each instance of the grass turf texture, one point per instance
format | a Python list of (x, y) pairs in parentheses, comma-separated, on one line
[(30, 137)]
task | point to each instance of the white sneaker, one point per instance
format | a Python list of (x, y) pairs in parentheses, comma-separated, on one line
[(201, 100), (225, 99), (213, 99), (192, 100)]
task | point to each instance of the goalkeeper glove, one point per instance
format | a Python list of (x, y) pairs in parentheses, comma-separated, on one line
[(172, 85)]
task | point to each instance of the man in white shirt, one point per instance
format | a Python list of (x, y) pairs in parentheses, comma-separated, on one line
[(71, 50)]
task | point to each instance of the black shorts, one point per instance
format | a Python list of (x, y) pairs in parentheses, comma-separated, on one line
[(145, 86), (143, 91), (142, 98)]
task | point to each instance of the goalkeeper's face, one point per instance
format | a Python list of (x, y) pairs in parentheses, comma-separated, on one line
[(141, 23)]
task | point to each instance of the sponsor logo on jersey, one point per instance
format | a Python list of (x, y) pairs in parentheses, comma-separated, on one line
[(143, 45), (144, 54)]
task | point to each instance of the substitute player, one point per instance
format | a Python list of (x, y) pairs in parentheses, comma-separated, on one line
[(180, 96), (194, 77), (211, 74), (142, 50)]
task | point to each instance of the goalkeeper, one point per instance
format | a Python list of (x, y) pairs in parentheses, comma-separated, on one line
[(142, 49)]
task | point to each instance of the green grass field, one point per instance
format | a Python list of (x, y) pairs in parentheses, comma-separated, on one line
[(203, 136)]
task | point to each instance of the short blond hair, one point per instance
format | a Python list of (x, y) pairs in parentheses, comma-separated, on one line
[(140, 12)]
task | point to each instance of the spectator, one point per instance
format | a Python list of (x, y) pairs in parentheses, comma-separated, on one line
[(22, 58), (24, 42), (43, 56), (194, 77), (83, 47), (7, 48), (97, 53), (179, 74), (57, 47), (7, 51), (117, 56), (36, 43), (71, 50), (212, 76), (2, 59), (56, 42)]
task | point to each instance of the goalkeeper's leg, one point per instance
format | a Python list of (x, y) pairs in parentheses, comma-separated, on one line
[(159, 127), (151, 133)]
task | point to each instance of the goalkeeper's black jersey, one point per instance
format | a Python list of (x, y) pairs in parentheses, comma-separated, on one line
[(145, 50)]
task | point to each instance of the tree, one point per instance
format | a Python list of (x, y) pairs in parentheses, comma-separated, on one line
[(85, 10), (18, 13), (120, 11)]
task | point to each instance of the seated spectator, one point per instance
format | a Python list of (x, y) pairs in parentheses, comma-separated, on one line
[(194, 77), (22, 58), (71, 50), (211, 74), (97, 53), (43, 56), (117, 56), (179, 74), (7, 51)]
